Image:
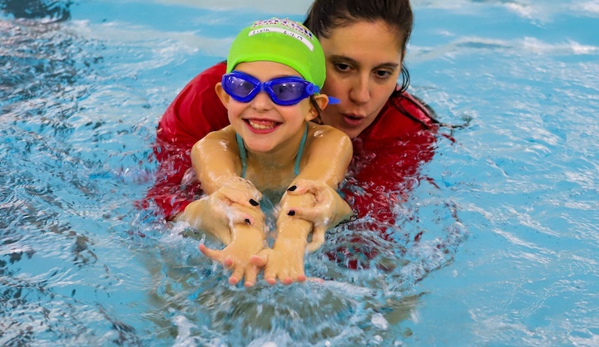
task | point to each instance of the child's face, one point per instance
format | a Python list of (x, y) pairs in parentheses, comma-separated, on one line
[(264, 125)]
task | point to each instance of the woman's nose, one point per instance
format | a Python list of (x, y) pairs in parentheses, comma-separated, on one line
[(360, 90)]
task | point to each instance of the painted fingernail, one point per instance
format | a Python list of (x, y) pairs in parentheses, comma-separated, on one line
[(291, 213), (254, 202), (292, 188), (247, 221)]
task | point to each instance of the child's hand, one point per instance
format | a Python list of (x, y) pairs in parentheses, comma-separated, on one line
[(285, 261), (248, 241)]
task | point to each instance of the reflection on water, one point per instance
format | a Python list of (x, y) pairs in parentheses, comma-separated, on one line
[(48, 11)]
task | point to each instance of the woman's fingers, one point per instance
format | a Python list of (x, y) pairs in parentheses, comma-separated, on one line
[(304, 186), (318, 214), (241, 192)]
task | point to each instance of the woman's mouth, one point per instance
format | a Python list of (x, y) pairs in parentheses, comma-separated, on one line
[(352, 119)]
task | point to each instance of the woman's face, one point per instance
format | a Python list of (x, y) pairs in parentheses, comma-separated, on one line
[(363, 65)]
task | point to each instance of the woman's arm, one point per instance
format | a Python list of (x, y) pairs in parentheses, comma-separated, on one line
[(195, 112)]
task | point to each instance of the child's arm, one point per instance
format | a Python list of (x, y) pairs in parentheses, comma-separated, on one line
[(328, 209), (329, 156), (219, 211), (247, 240), (231, 211), (215, 160)]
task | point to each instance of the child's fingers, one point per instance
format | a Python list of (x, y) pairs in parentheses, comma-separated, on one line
[(228, 263), (270, 276), (285, 278), (210, 253), (297, 276), (260, 259), (251, 273), (317, 238), (237, 275)]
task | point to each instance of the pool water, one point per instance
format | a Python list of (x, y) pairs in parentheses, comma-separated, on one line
[(508, 210)]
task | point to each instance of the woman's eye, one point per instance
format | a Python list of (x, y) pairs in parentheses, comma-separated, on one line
[(342, 67), (383, 73)]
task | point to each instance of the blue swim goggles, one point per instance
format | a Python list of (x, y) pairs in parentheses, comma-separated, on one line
[(283, 91)]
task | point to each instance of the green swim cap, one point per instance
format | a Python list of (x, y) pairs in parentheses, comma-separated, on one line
[(282, 41)]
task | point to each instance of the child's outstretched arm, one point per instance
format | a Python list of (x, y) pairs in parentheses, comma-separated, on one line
[(231, 210), (247, 240), (219, 211), (215, 161), (328, 210), (317, 201)]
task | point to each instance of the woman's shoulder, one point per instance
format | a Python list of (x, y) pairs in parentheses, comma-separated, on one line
[(412, 108), (401, 118)]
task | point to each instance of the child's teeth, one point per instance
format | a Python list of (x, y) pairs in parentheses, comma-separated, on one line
[(262, 125)]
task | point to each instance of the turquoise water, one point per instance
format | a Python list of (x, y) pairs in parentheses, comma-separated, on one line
[(509, 209)]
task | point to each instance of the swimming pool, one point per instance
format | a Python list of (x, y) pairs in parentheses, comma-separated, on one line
[(509, 210)]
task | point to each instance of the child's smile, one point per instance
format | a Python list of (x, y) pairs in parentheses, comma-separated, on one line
[(262, 125)]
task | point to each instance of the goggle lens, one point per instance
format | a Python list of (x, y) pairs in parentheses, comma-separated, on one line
[(283, 91)]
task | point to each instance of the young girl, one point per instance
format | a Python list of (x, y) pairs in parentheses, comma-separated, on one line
[(275, 69)]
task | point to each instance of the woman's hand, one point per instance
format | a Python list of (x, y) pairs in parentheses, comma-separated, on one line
[(227, 206), (328, 210)]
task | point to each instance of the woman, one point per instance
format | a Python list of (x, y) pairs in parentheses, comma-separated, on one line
[(364, 42)]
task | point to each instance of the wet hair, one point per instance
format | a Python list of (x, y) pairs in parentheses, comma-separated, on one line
[(324, 16)]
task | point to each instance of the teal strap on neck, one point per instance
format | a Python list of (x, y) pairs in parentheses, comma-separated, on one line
[(296, 168), (242, 153), (244, 156)]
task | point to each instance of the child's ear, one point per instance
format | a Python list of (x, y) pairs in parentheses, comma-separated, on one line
[(222, 95), (322, 101)]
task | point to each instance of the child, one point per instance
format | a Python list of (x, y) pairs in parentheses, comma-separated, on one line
[(275, 69)]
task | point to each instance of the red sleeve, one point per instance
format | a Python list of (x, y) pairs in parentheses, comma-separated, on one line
[(389, 152), (194, 113), (387, 158)]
